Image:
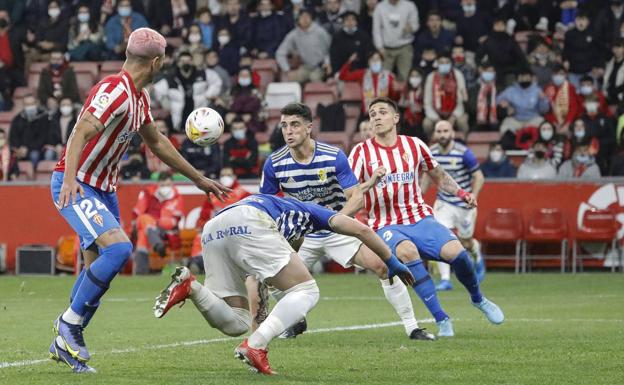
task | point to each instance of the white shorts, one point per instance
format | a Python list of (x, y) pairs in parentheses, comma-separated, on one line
[(454, 217), (338, 247), (242, 241)]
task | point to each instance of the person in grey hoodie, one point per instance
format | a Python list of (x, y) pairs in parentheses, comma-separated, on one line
[(309, 43), (537, 165), (582, 164)]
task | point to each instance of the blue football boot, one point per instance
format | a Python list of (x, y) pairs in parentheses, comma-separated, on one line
[(73, 341), (444, 285), (445, 328), (59, 355), (493, 313)]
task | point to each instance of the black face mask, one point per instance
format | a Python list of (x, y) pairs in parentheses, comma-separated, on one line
[(186, 67), (4, 23), (539, 154), (525, 84)]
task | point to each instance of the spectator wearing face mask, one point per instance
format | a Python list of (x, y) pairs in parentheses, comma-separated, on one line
[(240, 152), (348, 41), (134, 168), (50, 34), (211, 61), (537, 165), (331, 17), (589, 92), (602, 128), (554, 143), (268, 30), (155, 219), (482, 100), (85, 41), (193, 44), (582, 51), (473, 26), (375, 80), (582, 164), (229, 51), (57, 80), (613, 84), (247, 100), (428, 62), (237, 22), (118, 28), (445, 94), (543, 61), (564, 105), (413, 104), (184, 90), (9, 169), (497, 164), (524, 103), (66, 119), (465, 66), (32, 131)]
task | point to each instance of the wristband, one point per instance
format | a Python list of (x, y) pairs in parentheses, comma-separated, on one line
[(462, 194)]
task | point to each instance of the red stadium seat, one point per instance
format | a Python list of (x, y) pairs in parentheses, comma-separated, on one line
[(483, 137), (85, 81), (338, 139), (86, 67), (20, 92), (26, 169), (33, 80), (267, 69), (37, 67), (44, 171), (596, 226), (315, 93), (110, 68), (273, 118), (351, 92), (6, 117), (503, 226), (546, 226)]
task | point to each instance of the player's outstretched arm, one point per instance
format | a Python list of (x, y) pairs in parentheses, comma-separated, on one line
[(355, 200), (342, 224), (86, 129), (164, 150), (446, 183)]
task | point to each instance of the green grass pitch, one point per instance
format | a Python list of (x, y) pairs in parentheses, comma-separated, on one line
[(560, 329)]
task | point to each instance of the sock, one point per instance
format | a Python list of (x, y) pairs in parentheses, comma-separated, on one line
[(399, 298), (423, 286), (77, 284), (89, 312), (464, 271), (71, 317), (231, 321), (445, 271), (475, 251), (296, 303), (98, 276)]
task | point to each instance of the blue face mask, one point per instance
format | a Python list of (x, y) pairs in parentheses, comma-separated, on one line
[(558, 79), (444, 68), (488, 76), (376, 67), (582, 159), (124, 11)]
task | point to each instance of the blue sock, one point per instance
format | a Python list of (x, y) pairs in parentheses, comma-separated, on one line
[(424, 287), (77, 284), (99, 275), (464, 271)]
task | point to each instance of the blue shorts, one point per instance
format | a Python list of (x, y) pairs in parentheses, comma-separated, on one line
[(427, 234), (92, 215)]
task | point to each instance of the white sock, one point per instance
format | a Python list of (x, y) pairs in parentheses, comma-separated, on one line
[(475, 251), (296, 303), (71, 317), (399, 298), (231, 321), (445, 271)]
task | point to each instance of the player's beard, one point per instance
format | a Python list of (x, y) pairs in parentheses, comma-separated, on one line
[(444, 142)]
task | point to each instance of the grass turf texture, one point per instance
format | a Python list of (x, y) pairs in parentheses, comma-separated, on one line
[(559, 329)]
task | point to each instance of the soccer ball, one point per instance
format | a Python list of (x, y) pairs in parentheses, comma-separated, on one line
[(204, 126)]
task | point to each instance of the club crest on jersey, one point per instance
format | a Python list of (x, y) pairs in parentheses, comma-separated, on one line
[(406, 158), (97, 218), (322, 175)]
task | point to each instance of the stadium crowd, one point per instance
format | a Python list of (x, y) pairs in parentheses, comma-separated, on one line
[(543, 77)]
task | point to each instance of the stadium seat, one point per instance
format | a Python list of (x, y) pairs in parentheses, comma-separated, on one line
[(595, 225), (279, 94), (86, 67), (316, 93), (110, 68), (26, 169), (273, 118), (33, 80), (503, 226), (480, 150), (338, 139), (85, 81), (351, 92), (20, 92), (483, 137), (37, 67), (44, 170), (267, 69), (6, 117), (545, 226)]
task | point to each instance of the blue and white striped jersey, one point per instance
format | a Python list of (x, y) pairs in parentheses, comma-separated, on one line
[(460, 163), (321, 181), (294, 219)]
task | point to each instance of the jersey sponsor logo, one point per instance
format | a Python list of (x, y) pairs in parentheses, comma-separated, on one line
[(126, 136), (228, 232), (387, 235), (397, 177), (322, 175)]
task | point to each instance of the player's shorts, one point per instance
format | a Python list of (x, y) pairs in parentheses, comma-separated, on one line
[(427, 234), (455, 217), (242, 241), (338, 247), (92, 215)]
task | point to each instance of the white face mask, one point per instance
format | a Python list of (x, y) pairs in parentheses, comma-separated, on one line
[(469, 8), (66, 110), (579, 133), (227, 180), (244, 82), (546, 134), (488, 76), (415, 81), (124, 11), (164, 192), (54, 12), (296, 2), (496, 156), (30, 111), (83, 17), (194, 38), (238, 134), (444, 68), (265, 13), (586, 90), (591, 107), (558, 79), (376, 67), (223, 39)]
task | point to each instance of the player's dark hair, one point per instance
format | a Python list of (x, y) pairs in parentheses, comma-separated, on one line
[(297, 109), (2, 130), (385, 100)]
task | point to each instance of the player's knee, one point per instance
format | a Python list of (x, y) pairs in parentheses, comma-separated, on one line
[(380, 269), (240, 323), (119, 253), (406, 251), (466, 242), (306, 291)]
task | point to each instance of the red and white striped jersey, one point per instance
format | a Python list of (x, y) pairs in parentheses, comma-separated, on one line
[(397, 198), (117, 104)]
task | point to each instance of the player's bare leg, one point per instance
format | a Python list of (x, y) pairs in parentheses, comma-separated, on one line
[(474, 248), (396, 293), (407, 252), (258, 297), (454, 253)]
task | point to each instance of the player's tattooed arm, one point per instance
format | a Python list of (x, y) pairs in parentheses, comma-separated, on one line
[(444, 181), (92, 122)]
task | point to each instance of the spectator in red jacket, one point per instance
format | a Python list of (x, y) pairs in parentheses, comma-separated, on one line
[(588, 92), (156, 216), (564, 105), (375, 80)]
